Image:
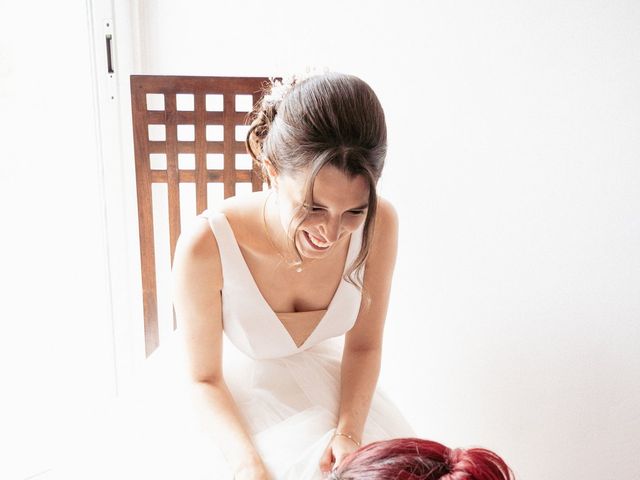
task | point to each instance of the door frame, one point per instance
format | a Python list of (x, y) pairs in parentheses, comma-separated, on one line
[(113, 29)]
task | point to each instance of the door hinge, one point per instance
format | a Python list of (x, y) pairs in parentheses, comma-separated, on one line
[(110, 51)]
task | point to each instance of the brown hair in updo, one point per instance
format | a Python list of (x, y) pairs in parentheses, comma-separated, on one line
[(329, 119), (420, 459)]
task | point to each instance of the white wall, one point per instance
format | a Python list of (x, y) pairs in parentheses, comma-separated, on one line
[(514, 164), (55, 345)]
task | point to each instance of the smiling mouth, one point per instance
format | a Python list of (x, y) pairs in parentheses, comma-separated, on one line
[(316, 244)]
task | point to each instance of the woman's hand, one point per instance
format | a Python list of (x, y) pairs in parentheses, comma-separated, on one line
[(253, 472), (339, 447)]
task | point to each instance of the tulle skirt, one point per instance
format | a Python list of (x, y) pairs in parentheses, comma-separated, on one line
[(290, 405)]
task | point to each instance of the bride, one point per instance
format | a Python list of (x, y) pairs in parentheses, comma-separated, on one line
[(298, 278)]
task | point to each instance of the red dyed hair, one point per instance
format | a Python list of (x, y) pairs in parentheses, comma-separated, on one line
[(417, 459)]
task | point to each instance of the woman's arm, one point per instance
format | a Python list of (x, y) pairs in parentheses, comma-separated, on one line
[(197, 285), (363, 343)]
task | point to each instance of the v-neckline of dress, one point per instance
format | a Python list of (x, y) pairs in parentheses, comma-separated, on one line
[(271, 311)]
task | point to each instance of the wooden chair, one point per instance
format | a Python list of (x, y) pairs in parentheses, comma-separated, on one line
[(195, 116)]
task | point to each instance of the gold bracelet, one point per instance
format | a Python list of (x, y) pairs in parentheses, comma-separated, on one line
[(348, 436)]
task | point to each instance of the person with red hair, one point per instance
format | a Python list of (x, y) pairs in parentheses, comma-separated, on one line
[(417, 459)]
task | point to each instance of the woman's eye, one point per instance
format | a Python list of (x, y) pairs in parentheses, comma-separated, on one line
[(311, 208), (356, 212)]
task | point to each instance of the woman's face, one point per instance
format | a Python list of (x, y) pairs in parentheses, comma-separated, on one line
[(340, 206)]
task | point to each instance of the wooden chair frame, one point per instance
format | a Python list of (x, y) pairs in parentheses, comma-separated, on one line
[(169, 87)]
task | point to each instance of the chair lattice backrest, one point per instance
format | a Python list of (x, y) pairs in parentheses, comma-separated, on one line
[(186, 130)]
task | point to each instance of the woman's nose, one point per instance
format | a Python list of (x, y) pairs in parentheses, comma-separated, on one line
[(331, 230)]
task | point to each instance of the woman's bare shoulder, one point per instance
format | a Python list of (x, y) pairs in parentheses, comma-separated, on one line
[(197, 238), (196, 258), (386, 216), (385, 235), (198, 235)]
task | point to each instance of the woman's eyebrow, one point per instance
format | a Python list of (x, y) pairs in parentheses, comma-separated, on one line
[(361, 207)]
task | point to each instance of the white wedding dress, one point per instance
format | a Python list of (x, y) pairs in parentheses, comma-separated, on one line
[(288, 393)]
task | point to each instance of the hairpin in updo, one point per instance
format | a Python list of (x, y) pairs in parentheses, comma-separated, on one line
[(334, 475), (280, 87)]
